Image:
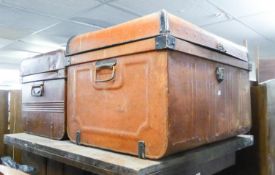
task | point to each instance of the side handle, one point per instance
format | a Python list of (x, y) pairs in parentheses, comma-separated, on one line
[(106, 64), (37, 90)]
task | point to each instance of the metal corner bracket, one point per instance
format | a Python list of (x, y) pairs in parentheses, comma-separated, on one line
[(165, 42), (67, 61), (77, 137), (141, 149), (164, 23)]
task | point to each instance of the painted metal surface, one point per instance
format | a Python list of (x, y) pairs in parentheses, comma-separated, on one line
[(167, 97), (150, 26)]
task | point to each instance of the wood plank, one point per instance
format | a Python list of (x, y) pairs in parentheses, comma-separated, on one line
[(260, 127), (106, 162), (263, 126), (16, 125), (270, 86), (3, 119)]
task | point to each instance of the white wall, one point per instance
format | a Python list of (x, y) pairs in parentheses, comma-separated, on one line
[(10, 77)]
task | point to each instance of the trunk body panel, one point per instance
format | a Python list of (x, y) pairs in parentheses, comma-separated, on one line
[(201, 109), (117, 114)]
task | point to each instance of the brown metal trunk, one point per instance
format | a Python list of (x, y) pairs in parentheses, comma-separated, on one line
[(44, 95), (158, 86)]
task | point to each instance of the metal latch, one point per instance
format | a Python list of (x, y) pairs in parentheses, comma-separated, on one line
[(221, 48), (220, 74)]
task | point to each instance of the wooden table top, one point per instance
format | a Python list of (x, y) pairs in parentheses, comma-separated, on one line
[(106, 162)]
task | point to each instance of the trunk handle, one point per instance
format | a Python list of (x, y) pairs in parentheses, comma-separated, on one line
[(106, 64), (37, 90)]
